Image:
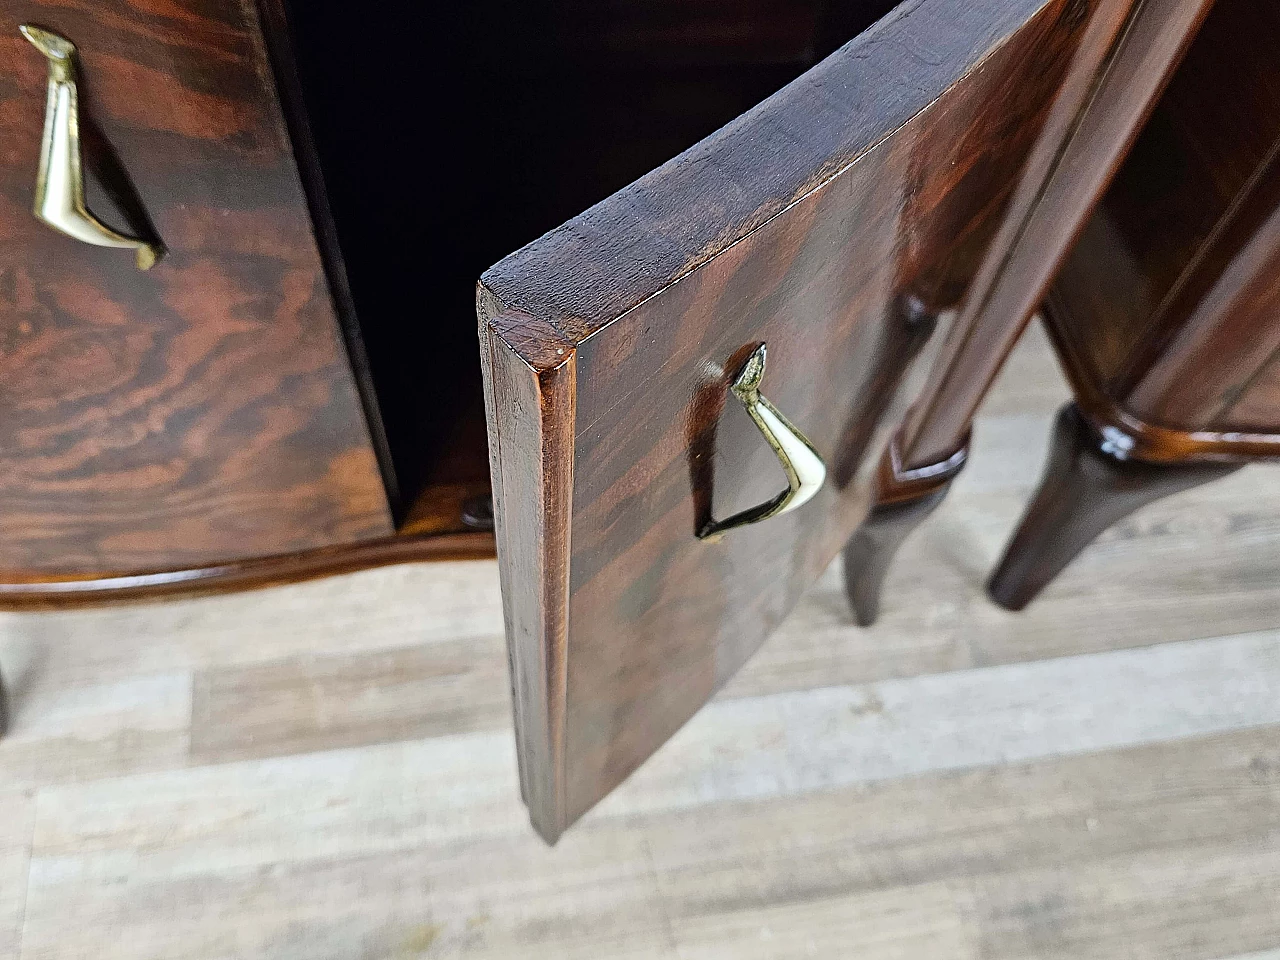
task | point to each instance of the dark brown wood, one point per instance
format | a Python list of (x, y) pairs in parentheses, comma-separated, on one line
[(1167, 312), (1086, 488), (1119, 69), (1256, 406), (277, 41), (672, 71), (1142, 440), (530, 373), (896, 483), (905, 498), (1167, 308), (204, 410), (1152, 443), (1123, 65), (876, 179), (869, 552)]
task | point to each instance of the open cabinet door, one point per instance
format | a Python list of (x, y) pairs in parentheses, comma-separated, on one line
[(832, 224)]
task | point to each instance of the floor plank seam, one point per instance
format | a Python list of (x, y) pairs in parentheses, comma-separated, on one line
[(668, 929), (26, 891)]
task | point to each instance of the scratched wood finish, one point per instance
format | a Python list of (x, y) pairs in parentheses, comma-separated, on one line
[(1167, 313), (201, 412), (812, 223)]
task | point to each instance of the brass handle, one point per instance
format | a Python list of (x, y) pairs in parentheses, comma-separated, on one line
[(802, 464), (60, 180)]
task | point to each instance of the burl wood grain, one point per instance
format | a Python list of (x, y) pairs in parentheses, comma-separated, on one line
[(1167, 313), (203, 411), (816, 222)]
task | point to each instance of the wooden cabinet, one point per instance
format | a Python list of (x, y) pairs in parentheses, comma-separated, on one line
[(1062, 182), (296, 387), (1167, 312)]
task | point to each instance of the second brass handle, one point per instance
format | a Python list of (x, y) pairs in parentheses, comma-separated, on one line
[(806, 472), (59, 200)]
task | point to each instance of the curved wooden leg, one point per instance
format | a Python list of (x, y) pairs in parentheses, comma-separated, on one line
[(906, 496), (869, 552), (1084, 490)]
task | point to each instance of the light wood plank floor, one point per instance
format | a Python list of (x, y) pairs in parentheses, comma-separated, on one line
[(327, 770)]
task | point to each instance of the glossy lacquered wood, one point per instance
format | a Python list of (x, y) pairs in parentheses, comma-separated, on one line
[(202, 411), (823, 223), (869, 552), (62, 591), (1128, 56), (1121, 67), (1167, 313)]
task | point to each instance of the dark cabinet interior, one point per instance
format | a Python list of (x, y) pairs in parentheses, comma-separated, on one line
[(449, 135)]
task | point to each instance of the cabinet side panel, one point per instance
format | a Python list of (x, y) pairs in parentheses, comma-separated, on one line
[(1117, 72)]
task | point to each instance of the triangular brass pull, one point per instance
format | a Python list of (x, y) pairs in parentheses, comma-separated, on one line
[(804, 467), (59, 198)]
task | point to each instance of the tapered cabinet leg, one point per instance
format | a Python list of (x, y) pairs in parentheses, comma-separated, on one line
[(905, 497), (1084, 490), (871, 550)]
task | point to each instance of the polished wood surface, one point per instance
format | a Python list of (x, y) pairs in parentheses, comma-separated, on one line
[(1122, 65), (58, 592), (1139, 440), (814, 223), (1129, 56), (1085, 489), (203, 411), (1167, 313), (869, 552)]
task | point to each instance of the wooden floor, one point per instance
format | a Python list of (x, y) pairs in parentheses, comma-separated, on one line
[(327, 771)]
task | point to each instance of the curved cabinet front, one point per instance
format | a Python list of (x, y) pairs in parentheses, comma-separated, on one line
[(204, 410)]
